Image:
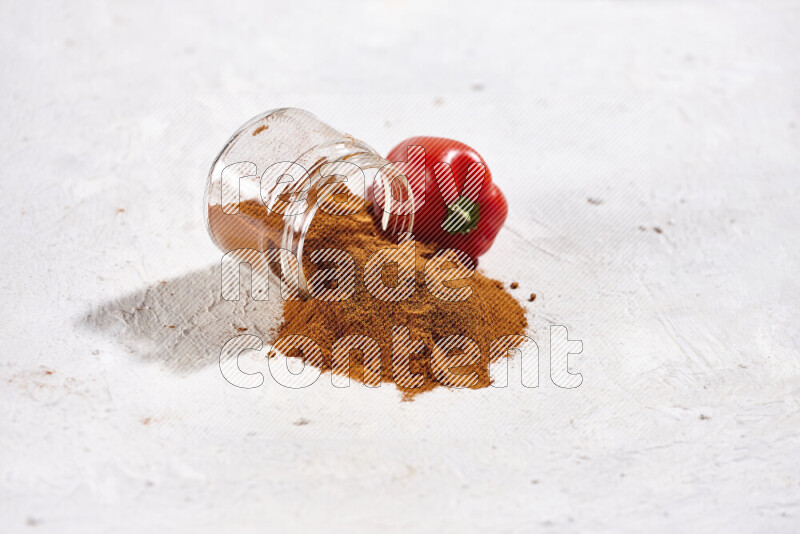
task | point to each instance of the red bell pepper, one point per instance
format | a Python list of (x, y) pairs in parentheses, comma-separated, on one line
[(456, 203)]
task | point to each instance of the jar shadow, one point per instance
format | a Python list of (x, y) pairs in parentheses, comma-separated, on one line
[(182, 323)]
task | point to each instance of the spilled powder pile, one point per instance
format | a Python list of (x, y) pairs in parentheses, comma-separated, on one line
[(489, 313)]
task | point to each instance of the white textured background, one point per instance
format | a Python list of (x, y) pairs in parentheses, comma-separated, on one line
[(677, 115)]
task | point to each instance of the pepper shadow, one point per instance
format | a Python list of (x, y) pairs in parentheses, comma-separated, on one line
[(183, 323)]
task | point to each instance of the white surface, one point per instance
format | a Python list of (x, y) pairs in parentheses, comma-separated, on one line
[(675, 114)]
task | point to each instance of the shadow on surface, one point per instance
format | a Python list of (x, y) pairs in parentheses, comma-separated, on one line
[(184, 322)]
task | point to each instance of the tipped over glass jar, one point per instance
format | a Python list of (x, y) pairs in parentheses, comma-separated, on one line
[(279, 169)]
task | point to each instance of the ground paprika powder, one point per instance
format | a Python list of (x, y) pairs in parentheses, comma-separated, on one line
[(489, 313)]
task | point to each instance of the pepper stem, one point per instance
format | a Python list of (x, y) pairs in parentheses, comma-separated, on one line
[(462, 216)]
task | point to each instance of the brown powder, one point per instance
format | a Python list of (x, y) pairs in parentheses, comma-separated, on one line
[(489, 313)]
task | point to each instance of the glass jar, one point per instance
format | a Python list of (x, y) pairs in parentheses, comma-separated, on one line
[(269, 180)]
